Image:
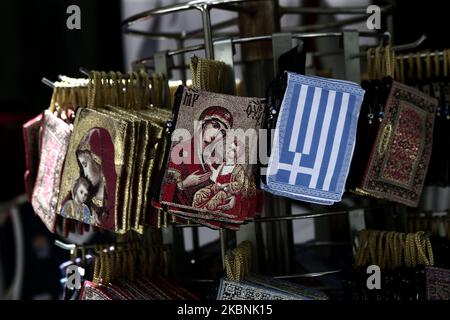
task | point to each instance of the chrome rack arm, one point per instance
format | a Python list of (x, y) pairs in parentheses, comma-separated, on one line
[(71, 246), (290, 217), (201, 5), (398, 48), (65, 246), (309, 275), (259, 38), (289, 276), (47, 82), (422, 55), (300, 216), (329, 11), (324, 26), (84, 71), (411, 45)]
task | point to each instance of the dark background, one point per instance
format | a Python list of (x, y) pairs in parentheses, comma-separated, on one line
[(36, 43)]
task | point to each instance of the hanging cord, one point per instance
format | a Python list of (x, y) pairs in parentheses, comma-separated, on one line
[(408, 262), (116, 261), (91, 90), (410, 249), (382, 63), (373, 246), (395, 247), (428, 64), (382, 249), (156, 91), (448, 59), (137, 90), (105, 91), (445, 63), (113, 89), (120, 89), (378, 73), (419, 66), (358, 253), (387, 62), (390, 62), (99, 99), (130, 92), (437, 64), (410, 66), (424, 245), (402, 70), (96, 272), (61, 101), (393, 64), (101, 267), (146, 88), (398, 71), (370, 67), (362, 253), (238, 262), (53, 100), (389, 254), (94, 88), (401, 248)]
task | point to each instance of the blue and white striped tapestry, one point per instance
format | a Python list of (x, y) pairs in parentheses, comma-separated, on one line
[(314, 139)]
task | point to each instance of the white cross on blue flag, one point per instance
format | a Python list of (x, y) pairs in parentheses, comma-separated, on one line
[(314, 139)]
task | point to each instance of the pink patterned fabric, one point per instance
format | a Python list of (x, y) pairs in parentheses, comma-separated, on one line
[(31, 130), (438, 283), (55, 140)]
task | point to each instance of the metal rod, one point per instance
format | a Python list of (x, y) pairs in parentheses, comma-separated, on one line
[(193, 34), (143, 16), (351, 47), (326, 11), (401, 47), (180, 44), (71, 246), (156, 35), (230, 5), (291, 217), (299, 216), (290, 276), (197, 280), (411, 45), (214, 27), (324, 244), (64, 246), (207, 32), (185, 50), (84, 71), (280, 218), (309, 275), (223, 246), (329, 25), (236, 8), (189, 225), (47, 82), (259, 38), (195, 4), (327, 54)]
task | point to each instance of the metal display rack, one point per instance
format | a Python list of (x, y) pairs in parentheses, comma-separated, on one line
[(220, 46)]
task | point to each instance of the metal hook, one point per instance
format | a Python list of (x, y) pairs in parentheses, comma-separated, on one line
[(47, 82), (401, 47)]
